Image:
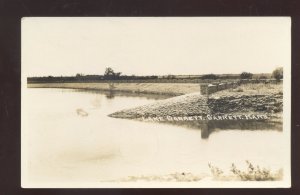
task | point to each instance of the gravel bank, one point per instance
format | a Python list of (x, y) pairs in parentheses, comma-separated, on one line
[(194, 104), (184, 105)]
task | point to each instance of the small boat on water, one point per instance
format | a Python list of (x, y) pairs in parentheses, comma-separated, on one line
[(81, 112)]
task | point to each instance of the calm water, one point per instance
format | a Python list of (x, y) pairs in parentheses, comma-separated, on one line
[(62, 145)]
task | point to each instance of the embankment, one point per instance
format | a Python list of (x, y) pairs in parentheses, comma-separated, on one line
[(221, 103), (184, 105), (173, 89)]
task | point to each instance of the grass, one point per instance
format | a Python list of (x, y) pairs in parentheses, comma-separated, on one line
[(174, 177), (215, 171), (254, 89), (252, 173)]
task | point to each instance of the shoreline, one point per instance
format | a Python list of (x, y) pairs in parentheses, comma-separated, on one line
[(188, 106), (246, 100), (169, 89), (185, 100)]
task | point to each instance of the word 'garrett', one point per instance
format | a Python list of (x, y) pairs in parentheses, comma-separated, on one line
[(207, 117)]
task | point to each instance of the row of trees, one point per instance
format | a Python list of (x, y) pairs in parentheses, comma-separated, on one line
[(110, 74), (276, 74)]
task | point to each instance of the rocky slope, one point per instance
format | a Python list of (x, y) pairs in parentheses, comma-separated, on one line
[(194, 104)]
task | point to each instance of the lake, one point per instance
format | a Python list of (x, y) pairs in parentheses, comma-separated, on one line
[(68, 137)]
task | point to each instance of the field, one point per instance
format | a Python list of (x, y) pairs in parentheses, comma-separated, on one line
[(255, 89)]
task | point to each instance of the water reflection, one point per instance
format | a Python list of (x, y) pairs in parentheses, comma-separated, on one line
[(110, 94), (64, 147), (208, 127)]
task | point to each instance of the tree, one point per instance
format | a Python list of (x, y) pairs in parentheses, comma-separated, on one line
[(170, 76), (246, 75), (210, 76), (262, 77), (278, 73), (110, 74), (109, 71)]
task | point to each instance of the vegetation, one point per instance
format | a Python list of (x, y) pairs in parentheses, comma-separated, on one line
[(262, 77), (278, 73), (112, 75), (215, 171), (88, 78), (257, 88), (79, 75), (252, 173), (171, 76), (246, 75), (210, 76), (109, 74), (173, 177)]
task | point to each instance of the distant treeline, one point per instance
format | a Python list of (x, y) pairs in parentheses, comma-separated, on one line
[(110, 75), (86, 78), (147, 79)]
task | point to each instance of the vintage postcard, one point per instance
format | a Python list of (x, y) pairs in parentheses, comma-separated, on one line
[(156, 102)]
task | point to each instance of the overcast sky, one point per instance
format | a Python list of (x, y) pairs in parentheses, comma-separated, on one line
[(154, 46)]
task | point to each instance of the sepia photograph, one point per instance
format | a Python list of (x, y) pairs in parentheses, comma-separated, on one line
[(156, 102)]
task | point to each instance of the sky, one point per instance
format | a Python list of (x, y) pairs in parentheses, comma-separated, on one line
[(154, 45)]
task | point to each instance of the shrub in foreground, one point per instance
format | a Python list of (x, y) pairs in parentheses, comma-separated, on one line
[(252, 173)]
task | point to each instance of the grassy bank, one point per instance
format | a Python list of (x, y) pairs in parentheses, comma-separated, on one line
[(173, 89)]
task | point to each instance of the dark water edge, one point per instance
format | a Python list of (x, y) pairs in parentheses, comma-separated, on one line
[(142, 93), (110, 94), (208, 127)]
